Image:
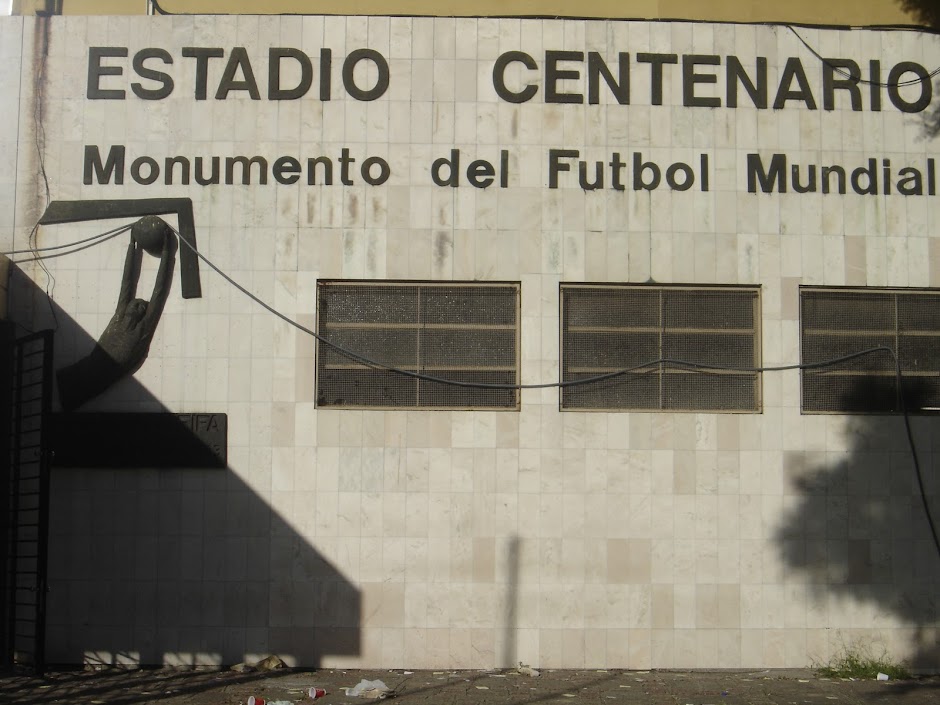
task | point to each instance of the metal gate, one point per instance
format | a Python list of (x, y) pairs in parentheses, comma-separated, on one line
[(27, 510)]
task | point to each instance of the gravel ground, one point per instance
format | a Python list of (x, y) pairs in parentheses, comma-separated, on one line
[(613, 687)]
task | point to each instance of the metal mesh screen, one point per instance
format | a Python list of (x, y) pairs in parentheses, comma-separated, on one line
[(466, 333), (610, 328), (839, 322)]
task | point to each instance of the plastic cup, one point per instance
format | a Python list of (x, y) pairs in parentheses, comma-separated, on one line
[(315, 693), (252, 700)]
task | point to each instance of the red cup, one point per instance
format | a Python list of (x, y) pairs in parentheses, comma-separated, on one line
[(315, 693), (252, 700)]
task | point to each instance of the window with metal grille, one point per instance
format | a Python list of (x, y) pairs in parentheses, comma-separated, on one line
[(837, 322), (609, 328), (460, 332)]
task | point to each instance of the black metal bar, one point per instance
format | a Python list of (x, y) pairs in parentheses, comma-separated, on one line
[(78, 211), (28, 518)]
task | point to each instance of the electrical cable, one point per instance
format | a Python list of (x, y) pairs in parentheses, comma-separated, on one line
[(98, 239), (858, 79), (115, 231), (39, 129), (680, 364), (599, 378)]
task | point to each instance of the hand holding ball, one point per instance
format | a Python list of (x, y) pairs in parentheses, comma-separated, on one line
[(151, 233)]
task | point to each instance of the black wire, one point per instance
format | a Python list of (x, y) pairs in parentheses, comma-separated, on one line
[(858, 79), (545, 385), (70, 244), (98, 239)]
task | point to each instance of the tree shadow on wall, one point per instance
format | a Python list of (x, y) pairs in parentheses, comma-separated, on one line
[(927, 13), (858, 531), (179, 566)]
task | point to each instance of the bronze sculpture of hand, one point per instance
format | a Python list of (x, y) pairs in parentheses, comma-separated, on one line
[(125, 342)]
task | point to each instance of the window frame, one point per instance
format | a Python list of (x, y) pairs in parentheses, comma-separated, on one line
[(418, 326), (896, 334), (663, 329)]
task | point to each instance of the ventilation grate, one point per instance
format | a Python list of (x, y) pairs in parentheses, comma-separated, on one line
[(606, 329), (466, 333), (840, 322)]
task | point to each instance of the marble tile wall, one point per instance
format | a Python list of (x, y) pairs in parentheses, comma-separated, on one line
[(478, 539)]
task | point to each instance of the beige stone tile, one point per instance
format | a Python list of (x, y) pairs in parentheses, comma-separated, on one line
[(551, 470), (618, 648), (507, 430), (618, 469), (484, 560), (416, 557), (706, 607), (595, 648), (662, 431), (459, 647), (752, 648), (641, 649), (328, 428), (663, 607), (775, 648), (683, 606), (684, 472), (551, 647), (482, 648), (662, 469), (282, 425), (707, 646), (684, 434), (663, 648), (729, 648), (595, 607), (484, 470), (641, 431), (729, 606), (415, 646), (393, 646), (629, 560)]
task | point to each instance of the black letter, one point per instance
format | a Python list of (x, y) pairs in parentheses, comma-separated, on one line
[(553, 75), (926, 89), (735, 73), (616, 166), (286, 170), (202, 57), (755, 172), (454, 164), (164, 79), (384, 171), (151, 164), (554, 166), (850, 84), (499, 81), (326, 77), (345, 160), (96, 70), (639, 166), (597, 68), (113, 167), (238, 59), (274, 74), (246, 163), (794, 69), (349, 66), (480, 173), (690, 78), (656, 62)]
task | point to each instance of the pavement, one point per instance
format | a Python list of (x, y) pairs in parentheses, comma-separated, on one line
[(567, 687)]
